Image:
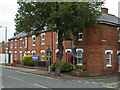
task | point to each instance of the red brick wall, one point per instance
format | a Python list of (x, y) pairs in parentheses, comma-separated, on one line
[(94, 57)]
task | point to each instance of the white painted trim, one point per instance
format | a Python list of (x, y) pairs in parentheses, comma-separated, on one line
[(68, 50), (118, 52), (108, 51), (79, 50), (57, 50), (42, 34), (20, 51), (25, 37), (15, 51), (118, 28), (20, 38), (33, 51), (42, 51), (118, 40), (108, 65), (33, 36), (15, 39)]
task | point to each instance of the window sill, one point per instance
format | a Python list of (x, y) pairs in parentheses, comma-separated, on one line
[(33, 45), (20, 47), (80, 40), (108, 65), (42, 43), (118, 40), (79, 64), (56, 42)]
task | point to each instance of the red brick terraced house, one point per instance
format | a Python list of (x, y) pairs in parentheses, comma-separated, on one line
[(98, 53)]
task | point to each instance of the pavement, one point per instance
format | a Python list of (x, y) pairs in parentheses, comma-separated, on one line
[(44, 72)]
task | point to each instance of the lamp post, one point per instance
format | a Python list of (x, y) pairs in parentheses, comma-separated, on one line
[(5, 40), (74, 52), (48, 55)]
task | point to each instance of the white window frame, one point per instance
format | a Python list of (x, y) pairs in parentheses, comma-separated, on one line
[(108, 52), (33, 52), (33, 36), (79, 50), (42, 52), (26, 42), (15, 43), (28, 52), (25, 53), (20, 43), (57, 38), (43, 39), (15, 55), (11, 44), (119, 35), (66, 50), (20, 56), (80, 39)]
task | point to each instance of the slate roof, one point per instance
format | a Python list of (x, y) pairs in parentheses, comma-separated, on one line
[(104, 19), (109, 19), (20, 35)]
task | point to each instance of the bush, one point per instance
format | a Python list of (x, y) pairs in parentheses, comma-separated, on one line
[(65, 67), (28, 60), (80, 68)]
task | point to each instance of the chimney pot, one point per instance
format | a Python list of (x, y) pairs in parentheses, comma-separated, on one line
[(104, 10)]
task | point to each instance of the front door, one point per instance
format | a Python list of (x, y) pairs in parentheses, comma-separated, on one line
[(119, 63), (69, 57)]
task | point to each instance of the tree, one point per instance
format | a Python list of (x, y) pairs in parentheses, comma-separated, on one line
[(62, 17)]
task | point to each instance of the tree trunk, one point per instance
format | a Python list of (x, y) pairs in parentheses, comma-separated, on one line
[(60, 54)]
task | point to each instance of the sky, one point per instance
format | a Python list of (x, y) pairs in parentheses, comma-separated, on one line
[(9, 9)]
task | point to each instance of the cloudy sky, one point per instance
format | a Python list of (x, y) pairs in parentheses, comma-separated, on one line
[(9, 9)]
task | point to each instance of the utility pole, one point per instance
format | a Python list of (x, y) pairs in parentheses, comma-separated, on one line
[(5, 40)]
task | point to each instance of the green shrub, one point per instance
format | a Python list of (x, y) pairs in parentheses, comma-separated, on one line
[(28, 60), (80, 68), (65, 67)]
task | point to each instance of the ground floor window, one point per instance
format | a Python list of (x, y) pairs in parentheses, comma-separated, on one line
[(108, 58), (79, 56), (15, 56), (43, 56), (20, 56)]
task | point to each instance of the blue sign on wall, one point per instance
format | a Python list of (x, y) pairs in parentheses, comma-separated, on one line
[(34, 57)]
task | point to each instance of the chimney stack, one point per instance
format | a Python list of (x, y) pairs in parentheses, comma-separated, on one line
[(104, 10)]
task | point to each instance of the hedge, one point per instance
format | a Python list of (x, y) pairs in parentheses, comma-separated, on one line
[(28, 60), (65, 67)]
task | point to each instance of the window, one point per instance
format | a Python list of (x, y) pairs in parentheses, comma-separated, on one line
[(108, 58), (20, 43), (28, 52), (79, 56), (57, 39), (119, 35), (15, 55), (20, 55), (80, 37), (33, 53), (15, 43), (43, 38), (33, 37), (11, 44), (42, 55), (26, 42)]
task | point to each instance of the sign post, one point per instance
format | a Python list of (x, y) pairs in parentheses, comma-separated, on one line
[(74, 52)]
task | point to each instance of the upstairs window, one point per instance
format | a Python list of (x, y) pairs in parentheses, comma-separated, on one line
[(11, 44), (26, 42), (15, 43), (119, 35), (57, 39), (20, 43), (43, 38), (33, 37), (80, 36)]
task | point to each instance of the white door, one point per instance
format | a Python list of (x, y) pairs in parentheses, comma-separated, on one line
[(119, 63)]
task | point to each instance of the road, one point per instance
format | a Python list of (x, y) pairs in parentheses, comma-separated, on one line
[(15, 79)]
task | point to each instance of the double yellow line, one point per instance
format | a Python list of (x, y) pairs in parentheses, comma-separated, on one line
[(110, 85)]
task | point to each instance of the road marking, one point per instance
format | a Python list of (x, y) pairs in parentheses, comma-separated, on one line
[(79, 81), (40, 85), (87, 82), (110, 85), (94, 82), (15, 78)]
